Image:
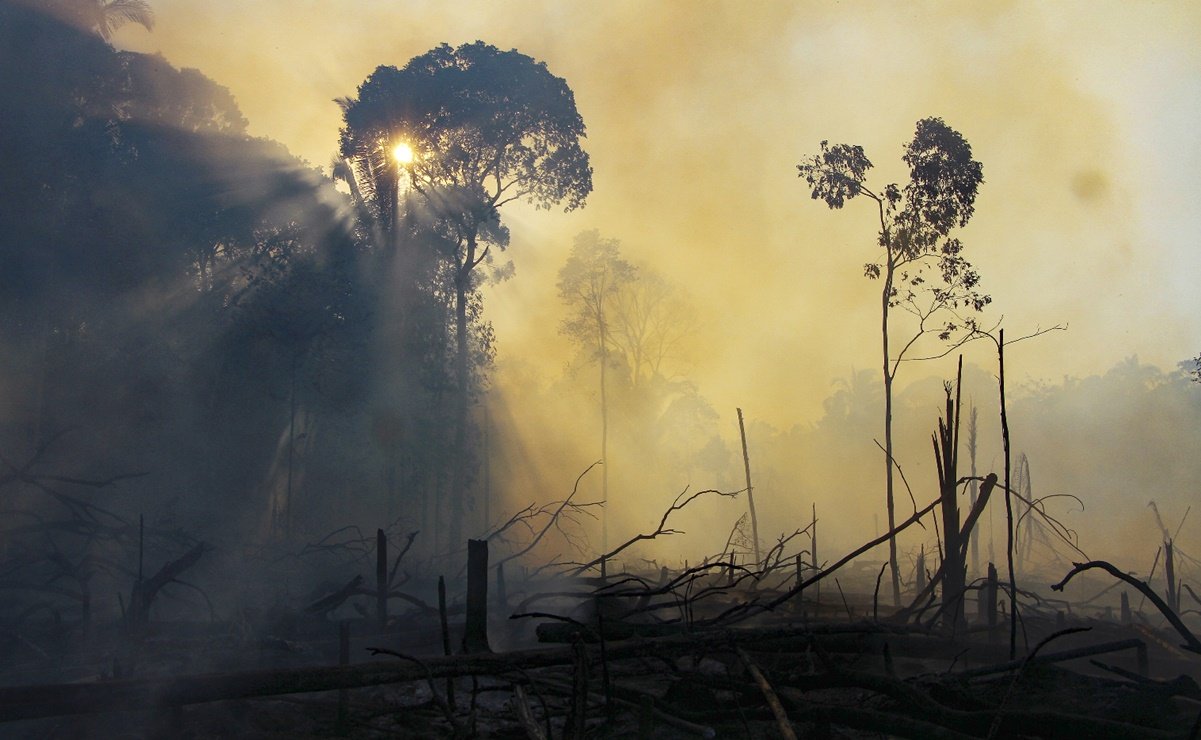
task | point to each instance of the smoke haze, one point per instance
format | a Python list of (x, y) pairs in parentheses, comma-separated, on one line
[(1083, 115)]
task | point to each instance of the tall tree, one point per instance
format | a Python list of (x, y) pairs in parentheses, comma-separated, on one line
[(649, 322), (923, 270), (588, 283), (469, 129)]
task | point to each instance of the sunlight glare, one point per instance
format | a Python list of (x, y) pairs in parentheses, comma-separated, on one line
[(403, 153)]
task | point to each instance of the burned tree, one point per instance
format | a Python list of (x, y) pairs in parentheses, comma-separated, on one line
[(923, 270)]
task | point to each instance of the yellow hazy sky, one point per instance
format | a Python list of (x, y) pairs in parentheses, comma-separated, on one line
[(1084, 114)]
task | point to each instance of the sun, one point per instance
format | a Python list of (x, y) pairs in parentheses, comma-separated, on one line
[(403, 153)]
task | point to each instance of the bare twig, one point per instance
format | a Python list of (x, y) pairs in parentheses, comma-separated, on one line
[(662, 529)]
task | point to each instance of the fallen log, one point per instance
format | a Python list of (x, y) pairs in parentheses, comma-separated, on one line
[(1059, 657), (29, 702)]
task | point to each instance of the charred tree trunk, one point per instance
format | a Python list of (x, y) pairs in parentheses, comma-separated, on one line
[(946, 456), (475, 637), (1169, 571), (381, 579), (990, 602), (973, 538), (1013, 590)]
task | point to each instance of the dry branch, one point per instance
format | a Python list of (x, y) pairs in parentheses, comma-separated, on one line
[(553, 521), (334, 600), (662, 529), (145, 591), (1191, 641)]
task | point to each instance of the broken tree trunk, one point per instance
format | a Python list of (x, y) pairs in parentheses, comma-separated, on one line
[(990, 602), (946, 456), (381, 579), (450, 684), (145, 591), (990, 482), (475, 637), (1169, 571), (817, 591)]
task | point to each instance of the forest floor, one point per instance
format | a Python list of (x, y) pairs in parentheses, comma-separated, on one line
[(832, 664)]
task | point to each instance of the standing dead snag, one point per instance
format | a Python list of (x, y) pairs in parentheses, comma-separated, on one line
[(990, 482), (475, 637), (145, 591), (381, 579), (974, 488), (750, 496), (946, 456)]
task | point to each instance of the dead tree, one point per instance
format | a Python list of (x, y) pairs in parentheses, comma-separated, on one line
[(946, 456), (750, 495), (475, 637)]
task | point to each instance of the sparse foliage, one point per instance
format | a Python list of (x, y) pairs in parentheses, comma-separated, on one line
[(923, 268)]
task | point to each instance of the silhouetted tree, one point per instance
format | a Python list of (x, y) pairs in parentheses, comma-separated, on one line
[(923, 270), (138, 219), (483, 128), (649, 322), (588, 282)]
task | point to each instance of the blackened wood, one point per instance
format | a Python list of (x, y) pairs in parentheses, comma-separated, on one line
[(577, 716), (27, 702), (334, 600), (450, 684), (381, 579), (782, 722), (145, 591), (343, 659), (990, 601), (1190, 639), (1169, 571), (525, 715), (475, 636), (1060, 656)]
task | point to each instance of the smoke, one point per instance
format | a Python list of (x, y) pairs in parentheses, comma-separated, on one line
[(696, 117)]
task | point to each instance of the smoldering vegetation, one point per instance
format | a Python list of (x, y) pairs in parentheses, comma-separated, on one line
[(263, 474)]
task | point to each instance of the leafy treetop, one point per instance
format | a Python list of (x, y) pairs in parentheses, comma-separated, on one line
[(486, 127)]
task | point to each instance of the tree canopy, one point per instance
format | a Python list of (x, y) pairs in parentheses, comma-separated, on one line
[(485, 126)]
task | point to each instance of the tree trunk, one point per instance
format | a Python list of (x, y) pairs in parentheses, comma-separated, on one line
[(475, 636), (291, 450), (886, 295), (1013, 599), (946, 455), (750, 496), (975, 491), (604, 362), (381, 579), (462, 378)]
